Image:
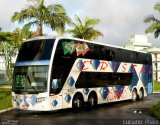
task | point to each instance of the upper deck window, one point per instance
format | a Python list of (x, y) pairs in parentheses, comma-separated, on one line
[(36, 50)]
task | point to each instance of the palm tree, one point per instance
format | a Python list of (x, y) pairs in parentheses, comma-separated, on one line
[(5, 36), (86, 30), (155, 26), (53, 15)]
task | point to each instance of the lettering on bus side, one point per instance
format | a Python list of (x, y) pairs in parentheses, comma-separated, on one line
[(95, 64), (104, 66)]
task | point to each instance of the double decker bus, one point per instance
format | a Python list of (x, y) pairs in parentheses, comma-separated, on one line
[(59, 73)]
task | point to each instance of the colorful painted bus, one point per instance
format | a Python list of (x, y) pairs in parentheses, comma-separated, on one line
[(59, 73)]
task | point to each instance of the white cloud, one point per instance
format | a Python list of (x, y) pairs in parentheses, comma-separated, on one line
[(119, 18), (7, 8)]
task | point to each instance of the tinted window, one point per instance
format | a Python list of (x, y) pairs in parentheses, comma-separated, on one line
[(30, 79), (62, 64), (36, 50), (100, 79)]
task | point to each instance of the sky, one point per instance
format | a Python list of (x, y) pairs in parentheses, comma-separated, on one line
[(118, 18)]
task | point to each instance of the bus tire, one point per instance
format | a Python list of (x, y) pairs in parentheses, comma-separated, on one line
[(77, 102), (134, 95), (141, 94), (92, 100)]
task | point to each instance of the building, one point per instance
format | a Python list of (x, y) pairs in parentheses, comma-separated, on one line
[(140, 43), (156, 62)]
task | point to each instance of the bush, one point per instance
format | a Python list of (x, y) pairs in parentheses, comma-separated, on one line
[(156, 86), (6, 99), (155, 110)]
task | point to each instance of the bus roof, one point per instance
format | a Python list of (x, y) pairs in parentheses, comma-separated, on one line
[(94, 42)]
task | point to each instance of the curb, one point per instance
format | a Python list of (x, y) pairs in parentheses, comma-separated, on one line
[(5, 110), (156, 92)]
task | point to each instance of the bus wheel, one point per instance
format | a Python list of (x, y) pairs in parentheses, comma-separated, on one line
[(141, 94), (77, 102), (92, 101), (134, 95)]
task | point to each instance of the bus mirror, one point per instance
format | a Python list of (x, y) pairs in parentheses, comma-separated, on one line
[(54, 83)]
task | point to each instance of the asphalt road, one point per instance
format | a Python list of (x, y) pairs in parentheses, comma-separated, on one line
[(119, 113)]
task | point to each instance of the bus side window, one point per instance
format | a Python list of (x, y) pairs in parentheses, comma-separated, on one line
[(95, 54), (54, 84), (103, 53), (111, 55), (134, 57)]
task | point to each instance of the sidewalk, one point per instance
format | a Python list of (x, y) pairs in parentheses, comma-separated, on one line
[(5, 110)]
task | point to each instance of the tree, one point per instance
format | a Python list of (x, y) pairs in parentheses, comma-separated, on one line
[(5, 36), (155, 23), (86, 30), (53, 15), (9, 46), (18, 36)]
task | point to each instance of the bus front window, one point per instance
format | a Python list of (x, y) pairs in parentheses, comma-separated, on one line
[(31, 79)]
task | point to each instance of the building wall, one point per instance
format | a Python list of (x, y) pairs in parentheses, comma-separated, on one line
[(140, 42), (156, 64)]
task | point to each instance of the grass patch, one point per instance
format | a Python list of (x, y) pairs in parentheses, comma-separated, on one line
[(156, 86), (5, 97), (155, 110)]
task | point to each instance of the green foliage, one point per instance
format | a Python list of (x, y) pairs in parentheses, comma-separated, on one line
[(157, 7), (5, 97), (155, 23), (10, 45), (53, 15), (86, 30), (155, 110), (156, 86), (5, 36)]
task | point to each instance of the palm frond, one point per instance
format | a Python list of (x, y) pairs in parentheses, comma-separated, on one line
[(28, 25), (28, 13), (152, 28), (56, 8), (5, 36), (78, 20), (150, 18), (157, 7), (91, 22), (58, 18)]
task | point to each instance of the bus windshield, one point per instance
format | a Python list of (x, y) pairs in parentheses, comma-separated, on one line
[(30, 79), (36, 50)]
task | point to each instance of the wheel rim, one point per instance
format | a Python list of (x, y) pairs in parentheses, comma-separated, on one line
[(140, 94), (77, 103), (134, 96), (92, 101)]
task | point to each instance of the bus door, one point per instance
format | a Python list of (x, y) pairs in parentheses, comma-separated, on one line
[(56, 93)]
